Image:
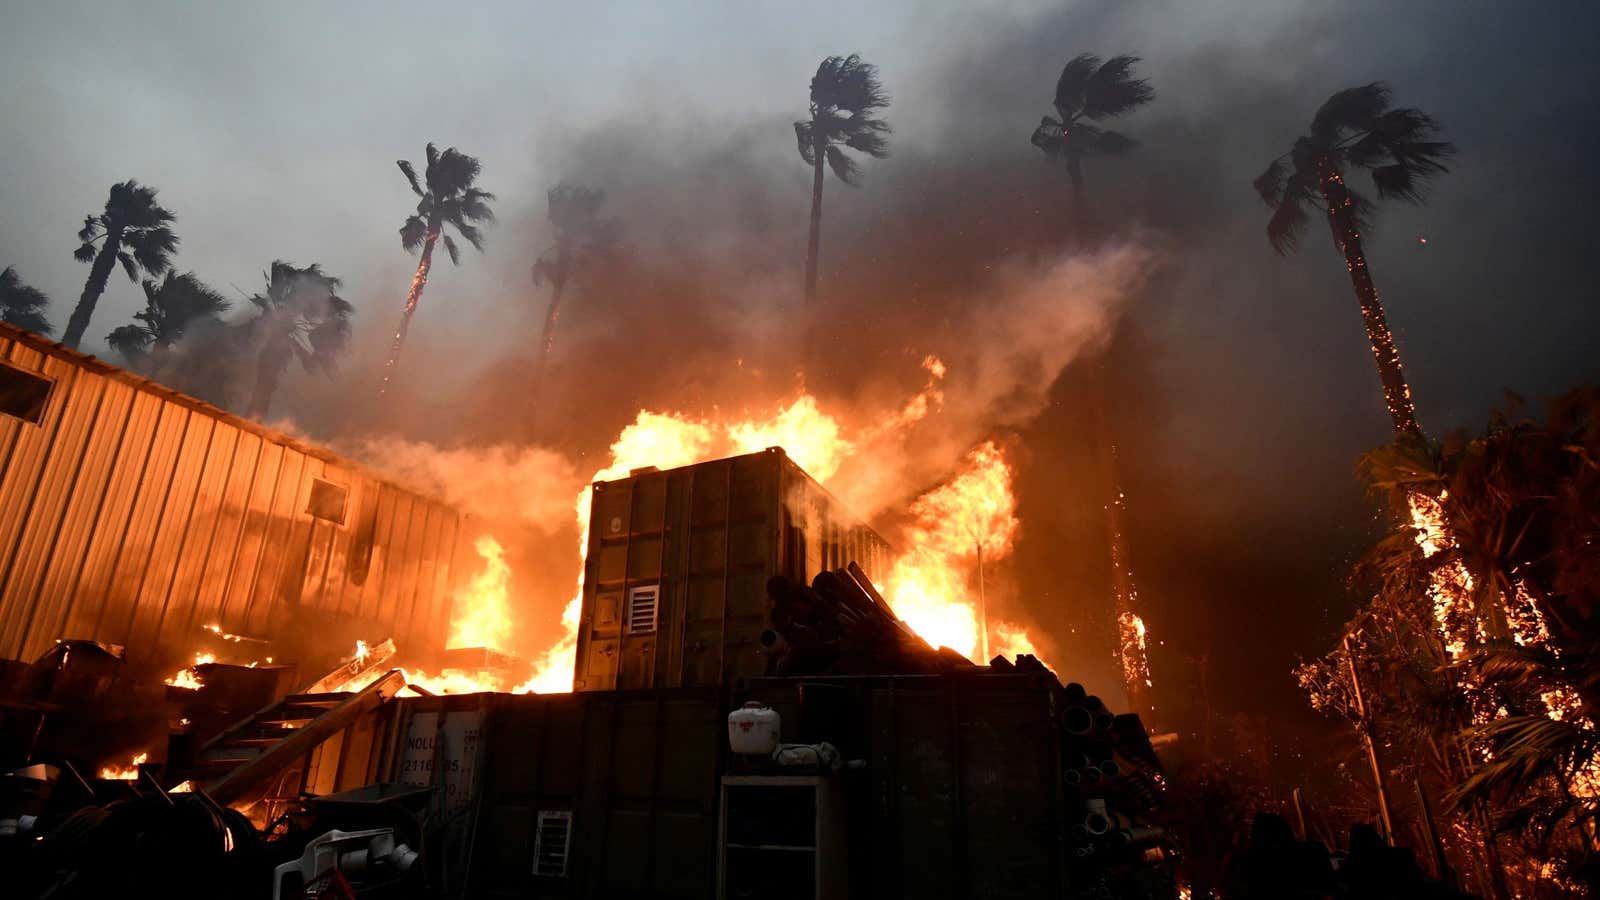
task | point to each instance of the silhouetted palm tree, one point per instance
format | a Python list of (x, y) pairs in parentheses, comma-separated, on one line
[(300, 317), (22, 305), (450, 198), (133, 230), (1089, 91), (1356, 128), (583, 239), (845, 95), (171, 307)]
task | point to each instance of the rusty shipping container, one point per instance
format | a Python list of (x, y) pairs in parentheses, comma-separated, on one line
[(675, 584), (135, 515)]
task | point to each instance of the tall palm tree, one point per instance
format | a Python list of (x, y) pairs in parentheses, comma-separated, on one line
[(21, 304), (450, 198), (582, 240), (300, 316), (171, 307), (134, 230), (1090, 91), (1356, 128), (845, 97)]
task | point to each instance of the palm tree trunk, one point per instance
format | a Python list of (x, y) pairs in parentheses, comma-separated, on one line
[(814, 243), (547, 341), (269, 366), (1075, 175), (93, 288), (1123, 593), (413, 297), (1396, 393)]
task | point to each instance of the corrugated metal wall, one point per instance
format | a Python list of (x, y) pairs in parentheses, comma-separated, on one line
[(135, 515)]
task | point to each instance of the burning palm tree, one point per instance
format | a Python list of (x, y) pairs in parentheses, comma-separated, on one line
[(299, 317), (171, 307), (1088, 92), (451, 199), (582, 240), (133, 230), (1356, 128), (845, 97), (21, 304)]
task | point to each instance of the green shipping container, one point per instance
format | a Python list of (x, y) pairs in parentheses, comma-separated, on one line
[(675, 585)]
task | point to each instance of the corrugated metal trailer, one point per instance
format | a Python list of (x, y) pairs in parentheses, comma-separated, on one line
[(675, 584), (133, 514)]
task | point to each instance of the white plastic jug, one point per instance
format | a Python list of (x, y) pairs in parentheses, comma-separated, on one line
[(753, 729)]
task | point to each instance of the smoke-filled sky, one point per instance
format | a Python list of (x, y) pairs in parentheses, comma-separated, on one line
[(1244, 390)]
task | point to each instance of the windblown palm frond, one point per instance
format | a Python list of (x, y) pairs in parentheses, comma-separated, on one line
[(21, 304), (1354, 129), (845, 97), (447, 195)]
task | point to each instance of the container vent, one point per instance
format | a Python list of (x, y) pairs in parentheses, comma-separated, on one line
[(550, 843), (642, 605)]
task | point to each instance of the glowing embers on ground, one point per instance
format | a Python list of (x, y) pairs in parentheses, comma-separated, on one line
[(123, 773)]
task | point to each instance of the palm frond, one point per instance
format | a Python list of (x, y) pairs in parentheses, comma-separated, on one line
[(1352, 109), (1101, 142), (869, 140), (90, 229), (413, 233), (1050, 137), (129, 266), (805, 142), (1269, 184), (450, 248), (410, 172), (152, 247), (132, 342), (21, 304), (847, 83), (842, 165), (1112, 89), (84, 253), (1073, 86), (472, 234)]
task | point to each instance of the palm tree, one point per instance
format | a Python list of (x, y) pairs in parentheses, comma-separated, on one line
[(172, 306), (1356, 128), (22, 305), (845, 94), (583, 239), (133, 230), (451, 198), (1087, 92), (299, 317)]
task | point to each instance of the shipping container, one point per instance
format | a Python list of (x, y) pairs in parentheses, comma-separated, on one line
[(674, 590), (132, 514), (961, 794)]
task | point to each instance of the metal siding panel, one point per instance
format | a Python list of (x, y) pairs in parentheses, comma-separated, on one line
[(19, 487), (411, 597), (21, 577), (292, 564), (134, 546), (11, 430), (389, 498), (446, 580), (237, 598), (233, 505), (321, 537), (155, 595), (263, 586), (205, 514), (416, 613), (92, 492), (396, 577), (337, 548), (91, 609)]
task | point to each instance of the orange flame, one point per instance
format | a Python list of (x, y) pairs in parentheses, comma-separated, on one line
[(482, 614), (187, 678), (124, 773)]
